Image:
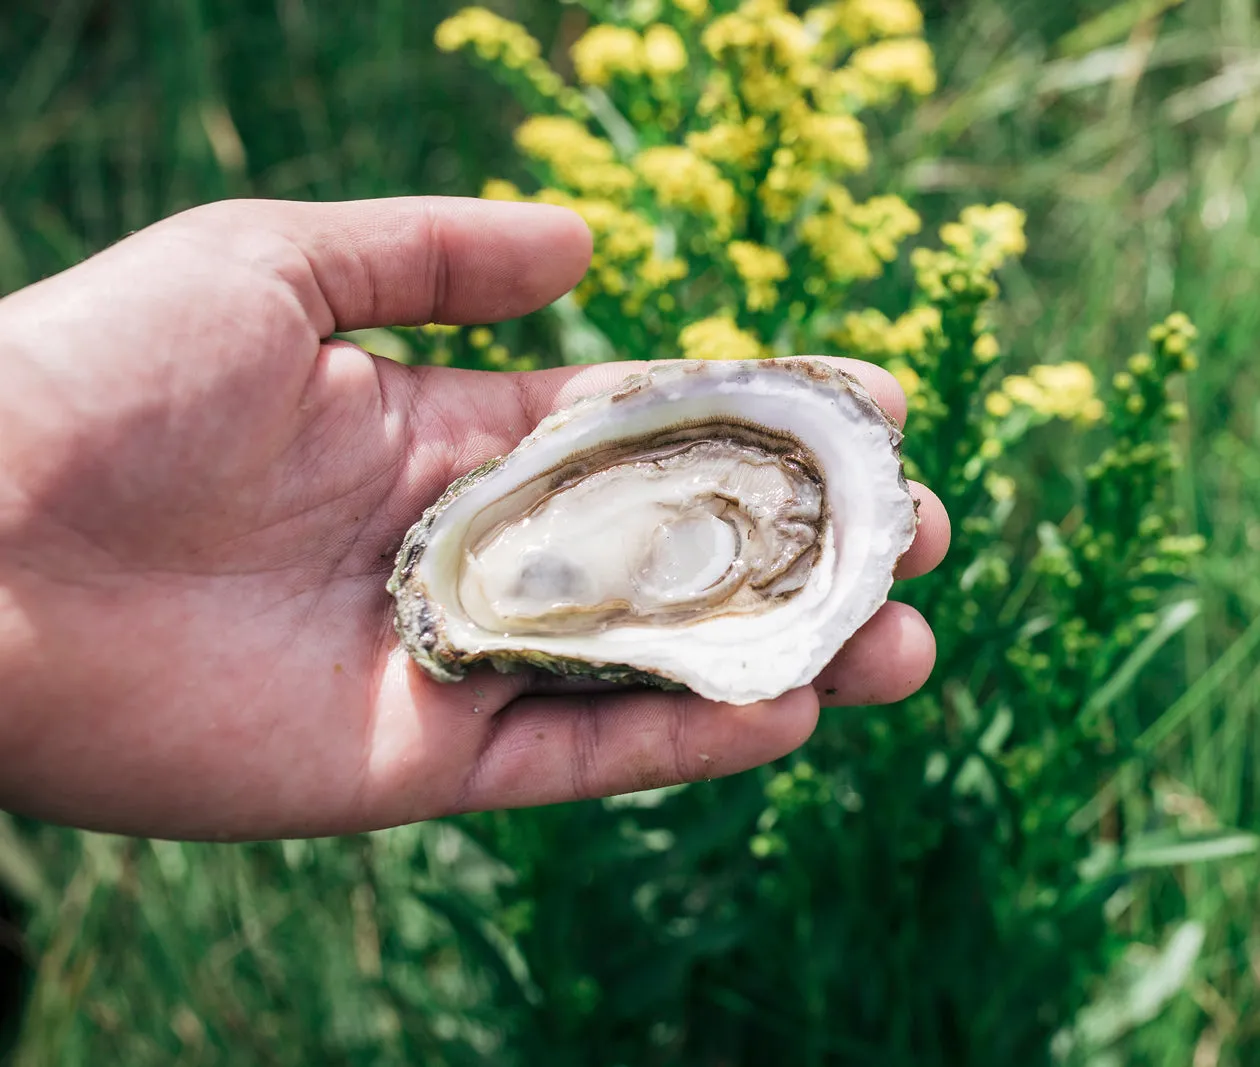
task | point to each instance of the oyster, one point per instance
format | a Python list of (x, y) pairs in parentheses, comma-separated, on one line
[(724, 527)]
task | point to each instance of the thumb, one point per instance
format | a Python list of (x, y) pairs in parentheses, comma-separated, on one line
[(419, 259)]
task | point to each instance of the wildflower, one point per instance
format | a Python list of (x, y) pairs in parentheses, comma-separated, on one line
[(577, 157), (760, 268), (737, 143), (663, 51), (718, 338), (1061, 391), (682, 179), (838, 140), (603, 52), (854, 241), (986, 348), (887, 67), (864, 20), (997, 232), (657, 273), (480, 337), (908, 378), (498, 189), (773, 49), (998, 405), (493, 37), (694, 8)]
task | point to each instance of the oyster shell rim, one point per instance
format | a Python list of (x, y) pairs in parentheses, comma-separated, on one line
[(420, 628)]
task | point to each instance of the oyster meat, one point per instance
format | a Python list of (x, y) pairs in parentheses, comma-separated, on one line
[(724, 527)]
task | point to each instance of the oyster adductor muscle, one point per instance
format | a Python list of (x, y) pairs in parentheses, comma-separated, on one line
[(724, 527)]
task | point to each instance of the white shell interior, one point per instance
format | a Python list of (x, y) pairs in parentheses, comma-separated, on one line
[(734, 658)]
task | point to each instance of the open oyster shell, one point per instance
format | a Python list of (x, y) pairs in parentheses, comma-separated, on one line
[(724, 527)]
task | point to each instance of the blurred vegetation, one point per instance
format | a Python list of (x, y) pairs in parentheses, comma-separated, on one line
[(863, 903)]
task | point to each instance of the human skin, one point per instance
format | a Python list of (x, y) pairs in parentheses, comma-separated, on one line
[(200, 499)]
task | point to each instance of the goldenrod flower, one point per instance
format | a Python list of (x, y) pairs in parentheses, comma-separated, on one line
[(739, 144), (493, 37), (663, 51), (773, 50), (498, 189), (605, 51), (887, 67), (682, 179), (718, 338), (907, 377), (816, 137), (999, 405), (986, 348), (760, 268), (577, 157), (863, 20), (997, 232), (854, 241), (657, 273), (870, 333), (694, 8), (1061, 391)]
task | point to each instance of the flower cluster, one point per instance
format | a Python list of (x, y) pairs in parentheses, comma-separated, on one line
[(728, 135), (605, 52), (977, 245), (718, 338), (761, 269), (1056, 391), (506, 44)]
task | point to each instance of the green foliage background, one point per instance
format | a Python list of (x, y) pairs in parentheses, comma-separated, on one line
[(899, 923)]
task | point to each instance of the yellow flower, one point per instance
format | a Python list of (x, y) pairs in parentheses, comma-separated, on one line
[(498, 189), (718, 338), (577, 157), (760, 268), (864, 20), (682, 179), (1060, 391), (997, 232), (694, 8), (493, 37), (908, 378), (737, 143), (854, 241), (605, 51), (998, 405), (773, 49), (870, 333), (657, 273), (663, 51), (986, 348), (787, 186), (838, 140), (887, 67), (480, 337), (909, 334)]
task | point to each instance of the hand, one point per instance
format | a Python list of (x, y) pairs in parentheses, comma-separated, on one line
[(200, 498)]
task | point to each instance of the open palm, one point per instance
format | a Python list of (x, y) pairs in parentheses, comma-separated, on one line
[(200, 499)]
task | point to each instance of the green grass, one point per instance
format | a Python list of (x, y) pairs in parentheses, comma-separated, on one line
[(609, 933)]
